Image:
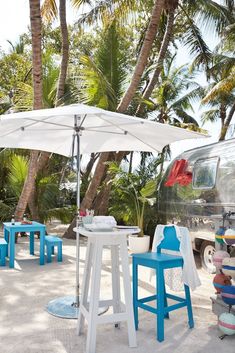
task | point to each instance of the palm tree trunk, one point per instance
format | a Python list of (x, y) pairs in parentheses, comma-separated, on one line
[(143, 56), (95, 182), (36, 26), (161, 56), (129, 94), (226, 123), (101, 202), (28, 185), (90, 165), (65, 51), (33, 205)]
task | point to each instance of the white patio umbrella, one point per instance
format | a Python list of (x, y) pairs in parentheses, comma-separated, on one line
[(77, 129)]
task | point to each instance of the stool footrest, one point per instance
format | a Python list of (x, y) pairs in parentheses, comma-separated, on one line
[(117, 317), (175, 306), (147, 299), (175, 297), (147, 307)]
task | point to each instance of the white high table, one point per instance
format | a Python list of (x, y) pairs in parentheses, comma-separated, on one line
[(117, 240)]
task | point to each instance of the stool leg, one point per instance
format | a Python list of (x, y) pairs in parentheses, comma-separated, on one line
[(31, 243), (59, 255), (160, 304), (94, 298), (189, 306), (115, 280), (165, 301), (135, 291), (6, 237), (85, 286), (48, 253), (2, 256), (127, 293)]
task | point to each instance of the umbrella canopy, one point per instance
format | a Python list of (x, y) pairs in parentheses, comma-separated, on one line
[(85, 129), (51, 130)]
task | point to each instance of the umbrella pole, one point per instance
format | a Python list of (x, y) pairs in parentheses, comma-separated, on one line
[(77, 220)]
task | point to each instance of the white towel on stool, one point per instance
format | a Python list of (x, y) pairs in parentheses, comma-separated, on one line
[(175, 278)]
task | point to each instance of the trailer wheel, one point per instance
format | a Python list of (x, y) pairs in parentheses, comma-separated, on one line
[(207, 251)]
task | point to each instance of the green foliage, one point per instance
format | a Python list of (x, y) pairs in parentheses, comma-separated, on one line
[(133, 194), (18, 173), (101, 76)]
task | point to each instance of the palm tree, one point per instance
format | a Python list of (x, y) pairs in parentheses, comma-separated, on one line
[(101, 78), (219, 94), (220, 91), (172, 98), (35, 20), (49, 13)]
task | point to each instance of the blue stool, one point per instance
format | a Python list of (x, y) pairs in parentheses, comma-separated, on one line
[(51, 242), (159, 262), (3, 252)]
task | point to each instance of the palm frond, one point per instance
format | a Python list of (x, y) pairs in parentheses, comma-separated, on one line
[(193, 39), (94, 87), (49, 11), (224, 87), (185, 117), (211, 115), (18, 173), (213, 15), (99, 12)]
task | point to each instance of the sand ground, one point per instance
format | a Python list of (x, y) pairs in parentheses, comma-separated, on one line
[(26, 327)]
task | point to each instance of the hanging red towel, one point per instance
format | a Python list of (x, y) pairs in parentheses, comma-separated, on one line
[(179, 174)]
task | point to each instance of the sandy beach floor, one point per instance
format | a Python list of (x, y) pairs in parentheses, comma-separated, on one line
[(26, 327)]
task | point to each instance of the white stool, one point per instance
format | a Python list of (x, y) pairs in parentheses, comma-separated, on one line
[(92, 274)]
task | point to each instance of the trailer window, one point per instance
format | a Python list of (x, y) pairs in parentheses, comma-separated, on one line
[(204, 173)]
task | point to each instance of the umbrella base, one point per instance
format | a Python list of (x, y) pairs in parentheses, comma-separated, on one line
[(63, 307)]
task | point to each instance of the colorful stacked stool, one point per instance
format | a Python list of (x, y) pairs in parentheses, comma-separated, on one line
[(3, 252), (51, 242)]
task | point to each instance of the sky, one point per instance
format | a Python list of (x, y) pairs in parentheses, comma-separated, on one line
[(14, 20)]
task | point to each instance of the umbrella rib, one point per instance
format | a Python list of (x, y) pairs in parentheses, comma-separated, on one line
[(129, 133), (110, 125), (48, 122), (108, 132)]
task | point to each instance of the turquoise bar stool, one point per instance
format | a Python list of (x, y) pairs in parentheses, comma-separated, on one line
[(3, 252), (159, 262), (51, 242)]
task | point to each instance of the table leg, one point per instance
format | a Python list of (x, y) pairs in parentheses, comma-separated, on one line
[(31, 243), (6, 237), (42, 246), (12, 249)]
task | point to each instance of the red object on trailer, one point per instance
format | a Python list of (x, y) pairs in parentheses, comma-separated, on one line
[(179, 174)]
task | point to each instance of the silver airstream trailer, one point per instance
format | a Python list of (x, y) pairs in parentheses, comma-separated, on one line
[(200, 194)]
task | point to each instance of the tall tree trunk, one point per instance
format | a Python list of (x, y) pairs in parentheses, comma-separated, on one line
[(44, 156), (33, 205), (90, 165), (65, 52), (143, 56), (101, 201), (161, 56), (96, 180), (36, 26), (129, 94), (226, 123)]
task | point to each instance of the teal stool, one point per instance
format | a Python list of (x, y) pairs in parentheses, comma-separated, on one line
[(3, 252), (51, 242), (159, 262)]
